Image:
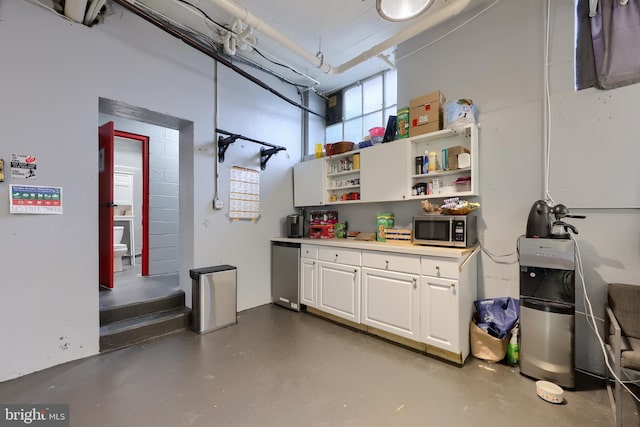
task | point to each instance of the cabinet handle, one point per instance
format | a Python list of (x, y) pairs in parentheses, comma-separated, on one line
[(415, 283), (386, 265), (453, 286)]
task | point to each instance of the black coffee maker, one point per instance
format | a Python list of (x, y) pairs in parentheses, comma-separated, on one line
[(541, 225)]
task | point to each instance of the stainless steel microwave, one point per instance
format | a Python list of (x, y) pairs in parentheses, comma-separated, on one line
[(458, 231)]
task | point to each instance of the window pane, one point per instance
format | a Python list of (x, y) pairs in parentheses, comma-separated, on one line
[(390, 88), (392, 111), (372, 94), (353, 130), (353, 102), (373, 120), (333, 133)]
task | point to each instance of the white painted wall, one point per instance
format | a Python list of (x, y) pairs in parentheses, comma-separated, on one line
[(49, 108)]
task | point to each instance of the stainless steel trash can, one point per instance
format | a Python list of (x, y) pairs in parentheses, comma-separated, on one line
[(213, 297)]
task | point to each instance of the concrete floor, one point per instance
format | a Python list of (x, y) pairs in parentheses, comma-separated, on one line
[(281, 368)]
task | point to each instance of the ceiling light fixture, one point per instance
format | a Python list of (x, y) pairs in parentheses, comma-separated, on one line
[(401, 10)]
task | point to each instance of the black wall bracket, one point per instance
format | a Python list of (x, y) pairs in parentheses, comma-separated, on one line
[(265, 153), (223, 144)]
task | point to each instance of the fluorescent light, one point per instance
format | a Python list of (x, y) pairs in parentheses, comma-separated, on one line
[(401, 10)]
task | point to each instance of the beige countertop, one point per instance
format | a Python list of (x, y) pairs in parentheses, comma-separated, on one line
[(384, 246)]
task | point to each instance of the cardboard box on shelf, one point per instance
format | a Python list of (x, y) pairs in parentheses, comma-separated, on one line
[(420, 101), (458, 149), (425, 113), (452, 156), (426, 128)]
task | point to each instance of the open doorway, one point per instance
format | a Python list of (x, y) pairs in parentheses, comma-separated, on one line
[(156, 253), (131, 195)]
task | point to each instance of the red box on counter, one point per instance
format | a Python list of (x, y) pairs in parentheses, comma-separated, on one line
[(323, 217), (321, 231)]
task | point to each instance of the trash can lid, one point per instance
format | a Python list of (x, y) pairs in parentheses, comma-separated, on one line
[(197, 272)]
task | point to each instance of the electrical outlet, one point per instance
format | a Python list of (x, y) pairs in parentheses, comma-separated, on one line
[(217, 204), (1, 170)]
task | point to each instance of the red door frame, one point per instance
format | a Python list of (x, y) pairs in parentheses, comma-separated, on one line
[(145, 194)]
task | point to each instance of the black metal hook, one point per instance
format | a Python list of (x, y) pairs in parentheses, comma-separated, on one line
[(265, 155), (223, 144)]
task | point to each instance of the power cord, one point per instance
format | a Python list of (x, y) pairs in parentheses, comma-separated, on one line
[(493, 256)]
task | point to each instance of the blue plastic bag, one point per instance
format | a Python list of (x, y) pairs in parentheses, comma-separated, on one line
[(498, 315)]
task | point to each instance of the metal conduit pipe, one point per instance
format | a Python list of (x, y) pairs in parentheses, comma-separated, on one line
[(75, 9), (242, 13), (209, 52), (258, 24)]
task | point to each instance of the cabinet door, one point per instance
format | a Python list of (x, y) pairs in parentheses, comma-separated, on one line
[(439, 320), (390, 302), (123, 189), (308, 282), (339, 290), (308, 178), (384, 172)]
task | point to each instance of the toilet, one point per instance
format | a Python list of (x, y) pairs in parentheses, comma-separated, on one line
[(119, 249)]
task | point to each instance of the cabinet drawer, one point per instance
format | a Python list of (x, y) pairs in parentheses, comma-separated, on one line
[(308, 251), (391, 261), (439, 267), (339, 255)]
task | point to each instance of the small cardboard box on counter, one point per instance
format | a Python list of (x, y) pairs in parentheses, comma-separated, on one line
[(452, 156), (425, 113)]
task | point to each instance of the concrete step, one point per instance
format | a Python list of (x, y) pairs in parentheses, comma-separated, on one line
[(137, 309), (130, 331)]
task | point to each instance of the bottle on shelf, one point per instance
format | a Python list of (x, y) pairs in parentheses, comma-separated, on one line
[(432, 161), (425, 162)]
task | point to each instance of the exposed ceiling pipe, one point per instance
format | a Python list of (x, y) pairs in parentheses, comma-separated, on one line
[(207, 50), (431, 20), (75, 10)]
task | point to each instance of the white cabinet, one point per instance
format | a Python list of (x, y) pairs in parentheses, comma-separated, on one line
[(339, 282), (387, 171), (439, 309), (342, 182), (437, 141), (123, 190), (339, 290), (448, 288), (309, 275), (308, 180), (384, 172), (390, 296), (390, 302)]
